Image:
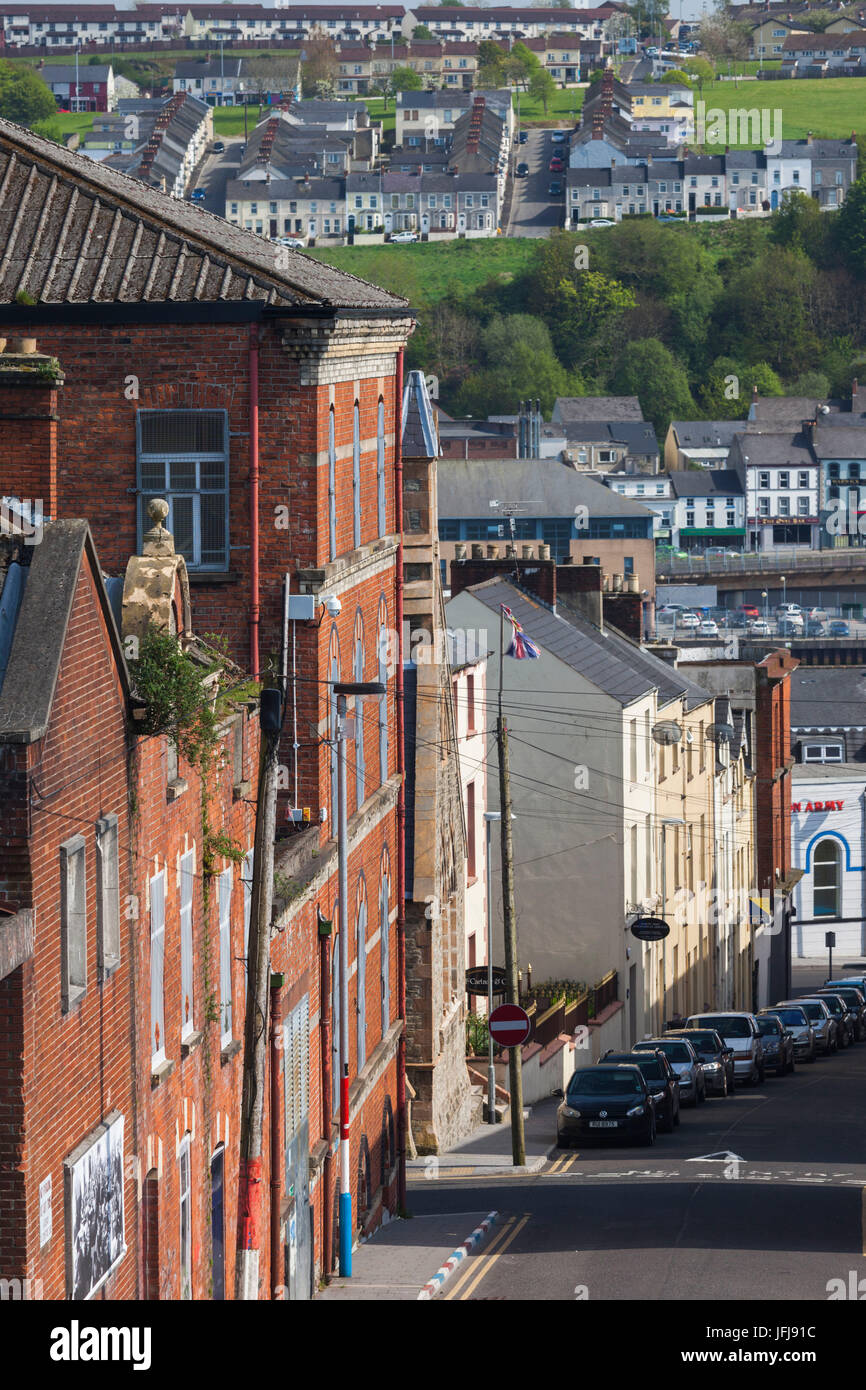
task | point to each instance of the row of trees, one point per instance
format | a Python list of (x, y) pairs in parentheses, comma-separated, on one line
[(688, 319)]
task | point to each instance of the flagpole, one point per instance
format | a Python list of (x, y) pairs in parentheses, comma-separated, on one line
[(515, 1064)]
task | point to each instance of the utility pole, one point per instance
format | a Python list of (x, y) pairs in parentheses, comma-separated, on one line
[(249, 1228), (515, 1064)]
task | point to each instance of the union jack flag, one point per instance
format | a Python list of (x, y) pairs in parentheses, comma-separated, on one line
[(521, 646)]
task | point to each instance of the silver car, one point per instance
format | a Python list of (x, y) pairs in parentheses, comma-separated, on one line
[(822, 1021), (686, 1064), (740, 1031), (797, 1023)]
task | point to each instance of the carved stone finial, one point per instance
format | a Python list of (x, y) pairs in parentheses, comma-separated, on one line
[(157, 541)]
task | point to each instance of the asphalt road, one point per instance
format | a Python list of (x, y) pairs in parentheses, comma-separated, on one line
[(217, 172), (778, 1221), (533, 211)]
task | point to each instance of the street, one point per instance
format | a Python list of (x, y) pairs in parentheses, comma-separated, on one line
[(218, 169), (759, 1196), (533, 211)]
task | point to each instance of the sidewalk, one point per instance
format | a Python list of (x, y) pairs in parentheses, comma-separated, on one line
[(810, 972), (403, 1257)]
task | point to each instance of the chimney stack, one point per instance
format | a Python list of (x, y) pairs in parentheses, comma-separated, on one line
[(29, 382)]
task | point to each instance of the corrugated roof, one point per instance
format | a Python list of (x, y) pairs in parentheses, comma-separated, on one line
[(75, 232)]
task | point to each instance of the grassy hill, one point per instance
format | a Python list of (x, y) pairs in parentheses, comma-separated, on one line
[(424, 272)]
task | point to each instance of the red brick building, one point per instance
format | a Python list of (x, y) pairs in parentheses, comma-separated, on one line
[(257, 392)]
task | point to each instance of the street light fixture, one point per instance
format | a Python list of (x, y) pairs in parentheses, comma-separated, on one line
[(361, 690), (764, 597), (784, 581)]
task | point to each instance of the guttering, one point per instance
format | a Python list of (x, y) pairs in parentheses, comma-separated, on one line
[(401, 793), (277, 1289), (254, 499)]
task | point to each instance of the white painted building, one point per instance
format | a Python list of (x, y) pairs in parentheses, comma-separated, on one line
[(469, 687), (828, 826)]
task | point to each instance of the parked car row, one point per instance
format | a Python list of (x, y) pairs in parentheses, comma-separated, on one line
[(788, 621), (634, 1095)]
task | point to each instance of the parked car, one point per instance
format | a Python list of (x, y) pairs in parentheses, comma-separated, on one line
[(557, 164), (796, 1021), (663, 217), (709, 628), (819, 613), (661, 1080), (522, 170), (715, 1057), (601, 222), (668, 611), (839, 628), (740, 1031), (404, 238), (815, 628), (845, 1025), (789, 610), (778, 1044), (219, 147), (759, 627), (522, 137), (819, 1016), (559, 137), (689, 620), (606, 1101), (749, 610), (686, 1064), (852, 991), (789, 627), (198, 195), (555, 189), (294, 241)]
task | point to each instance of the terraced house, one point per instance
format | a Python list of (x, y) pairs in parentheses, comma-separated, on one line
[(258, 395)]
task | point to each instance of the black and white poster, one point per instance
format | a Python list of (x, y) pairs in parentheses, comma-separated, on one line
[(94, 1207)]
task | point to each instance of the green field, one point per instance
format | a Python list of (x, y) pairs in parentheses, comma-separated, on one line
[(828, 106), (424, 272)]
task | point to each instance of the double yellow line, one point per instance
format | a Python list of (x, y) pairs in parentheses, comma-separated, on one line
[(561, 1165), (481, 1266)]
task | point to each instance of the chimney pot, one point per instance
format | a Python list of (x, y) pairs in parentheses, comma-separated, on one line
[(493, 552), (478, 552), (544, 552), (526, 551), (460, 551)]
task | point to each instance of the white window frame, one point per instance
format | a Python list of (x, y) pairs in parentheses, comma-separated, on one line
[(107, 896), (73, 918)]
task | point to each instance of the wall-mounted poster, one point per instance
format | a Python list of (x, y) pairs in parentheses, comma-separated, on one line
[(94, 1208)]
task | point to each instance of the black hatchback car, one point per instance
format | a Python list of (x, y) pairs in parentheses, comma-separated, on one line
[(778, 1044), (716, 1058), (662, 1081), (606, 1102)]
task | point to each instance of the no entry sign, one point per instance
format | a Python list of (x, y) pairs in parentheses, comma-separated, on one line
[(509, 1025)]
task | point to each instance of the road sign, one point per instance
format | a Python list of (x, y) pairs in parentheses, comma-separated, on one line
[(509, 1025), (476, 980)]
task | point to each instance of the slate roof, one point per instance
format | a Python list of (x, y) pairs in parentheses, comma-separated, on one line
[(840, 441), (782, 449), (73, 232), (419, 425), (706, 482), (65, 72), (467, 486), (777, 412), (638, 437), (568, 408), (228, 67), (619, 667), (832, 697), (706, 434)]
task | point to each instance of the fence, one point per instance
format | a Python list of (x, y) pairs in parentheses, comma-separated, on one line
[(759, 562), (561, 1017)]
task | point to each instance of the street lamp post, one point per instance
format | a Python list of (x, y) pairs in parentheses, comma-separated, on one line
[(361, 690), (784, 581), (764, 597), (489, 818)]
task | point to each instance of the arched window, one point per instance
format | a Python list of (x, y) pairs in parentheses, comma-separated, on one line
[(380, 469), (361, 971), (334, 662), (356, 475), (332, 488), (360, 766), (385, 938), (827, 879), (382, 677)]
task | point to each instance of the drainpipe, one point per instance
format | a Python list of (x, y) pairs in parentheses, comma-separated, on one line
[(254, 499), (277, 1290), (401, 794), (327, 1094)]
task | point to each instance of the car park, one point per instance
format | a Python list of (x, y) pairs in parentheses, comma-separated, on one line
[(796, 1021), (822, 1021), (759, 627), (740, 1031), (714, 1055), (607, 1101), (815, 628), (661, 1080), (685, 1063), (789, 610), (844, 1022), (709, 628), (689, 620), (839, 628), (555, 189), (522, 170), (778, 1044)]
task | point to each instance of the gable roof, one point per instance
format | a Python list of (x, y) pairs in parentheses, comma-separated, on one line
[(706, 482), (567, 408), (75, 232), (828, 697), (466, 487), (706, 434)]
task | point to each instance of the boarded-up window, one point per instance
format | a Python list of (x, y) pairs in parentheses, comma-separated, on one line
[(73, 893)]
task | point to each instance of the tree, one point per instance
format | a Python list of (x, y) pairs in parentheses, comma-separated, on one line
[(24, 97), (727, 392), (765, 313), (816, 20), (519, 361), (850, 229), (677, 77), (701, 71), (269, 72), (649, 370), (542, 88), (320, 66), (520, 64), (722, 37), (422, 31), (405, 80), (800, 224)]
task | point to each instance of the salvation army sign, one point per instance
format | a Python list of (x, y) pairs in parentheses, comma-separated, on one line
[(816, 806)]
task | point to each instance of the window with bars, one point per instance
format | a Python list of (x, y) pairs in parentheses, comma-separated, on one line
[(108, 896), (296, 1067), (73, 920), (182, 456)]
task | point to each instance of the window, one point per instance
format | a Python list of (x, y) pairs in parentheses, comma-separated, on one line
[(108, 896), (332, 488), (185, 1219), (225, 906), (817, 178), (382, 677), (157, 968), (802, 506), (187, 878), (803, 478), (763, 480), (784, 506), (822, 753), (356, 475), (385, 941), (73, 898), (360, 768), (380, 469), (826, 879), (217, 1222), (763, 506), (183, 457), (784, 480)]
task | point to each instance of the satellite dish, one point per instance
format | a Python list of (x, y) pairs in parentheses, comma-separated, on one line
[(668, 731), (721, 733)]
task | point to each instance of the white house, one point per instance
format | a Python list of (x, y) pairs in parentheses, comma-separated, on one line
[(828, 827)]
